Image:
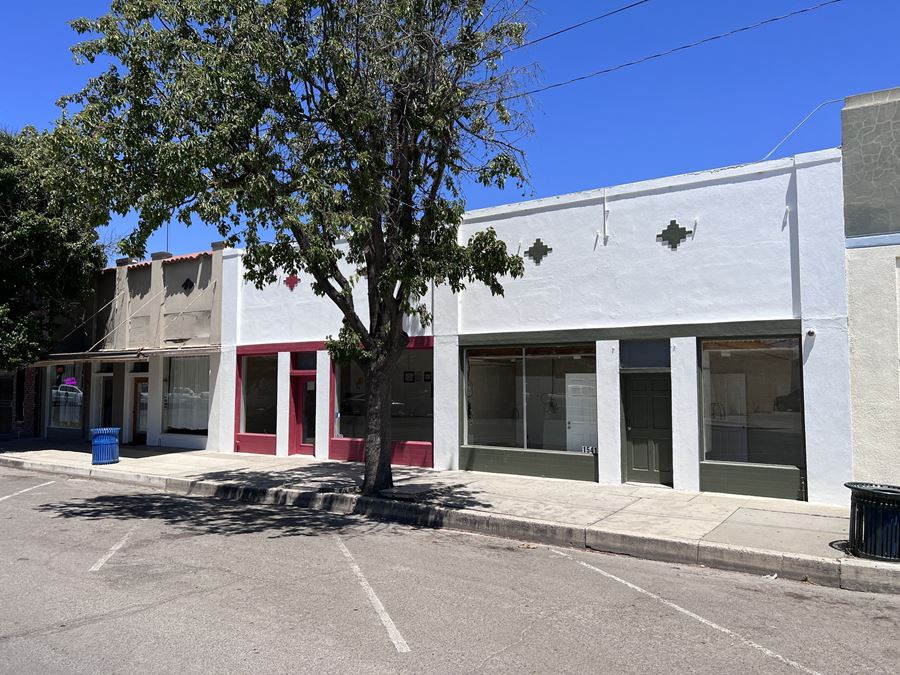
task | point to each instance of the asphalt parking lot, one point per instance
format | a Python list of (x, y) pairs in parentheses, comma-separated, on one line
[(99, 577)]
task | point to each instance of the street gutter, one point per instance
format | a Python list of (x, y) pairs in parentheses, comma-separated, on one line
[(848, 573)]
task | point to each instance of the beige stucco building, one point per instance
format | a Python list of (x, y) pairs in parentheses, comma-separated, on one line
[(871, 168)]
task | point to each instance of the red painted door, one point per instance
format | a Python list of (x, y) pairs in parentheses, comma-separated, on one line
[(302, 438)]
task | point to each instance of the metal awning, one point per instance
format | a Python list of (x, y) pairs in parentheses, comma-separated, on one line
[(128, 354)]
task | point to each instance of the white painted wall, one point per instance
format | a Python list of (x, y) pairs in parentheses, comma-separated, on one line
[(446, 402), (609, 413), (278, 314), (685, 414), (223, 375), (875, 376), (737, 266), (819, 223), (323, 404), (283, 412)]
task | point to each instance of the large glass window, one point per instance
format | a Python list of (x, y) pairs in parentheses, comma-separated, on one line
[(753, 401), (259, 382), (494, 397), (541, 398), (186, 395), (66, 396), (412, 398)]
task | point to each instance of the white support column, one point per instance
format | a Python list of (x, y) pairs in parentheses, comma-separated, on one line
[(826, 410), (283, 405), (446, 402), (323, 404), (223, 379), (609, 413), (154, 400), (222, 376), (685, 415), (819, 217)]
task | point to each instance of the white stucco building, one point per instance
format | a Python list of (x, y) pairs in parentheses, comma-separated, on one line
[(688, 331), (691, 331)]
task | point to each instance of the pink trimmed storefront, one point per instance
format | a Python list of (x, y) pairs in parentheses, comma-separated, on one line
[(290, 399)]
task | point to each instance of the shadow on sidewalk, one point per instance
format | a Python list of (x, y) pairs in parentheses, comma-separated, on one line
[(84, 447), (410, 485), (227, 513), (197, 515)]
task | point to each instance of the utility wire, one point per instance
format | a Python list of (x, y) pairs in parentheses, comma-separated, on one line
[(578, 25), (659, 55)]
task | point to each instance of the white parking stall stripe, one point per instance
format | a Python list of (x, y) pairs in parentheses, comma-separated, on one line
[(33, 487), (706, 622), (111, 552), (392, 631)]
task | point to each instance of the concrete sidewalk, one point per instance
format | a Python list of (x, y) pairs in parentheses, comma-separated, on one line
[(796, 540)]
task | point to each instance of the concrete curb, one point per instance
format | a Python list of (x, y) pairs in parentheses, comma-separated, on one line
[(849, 573)]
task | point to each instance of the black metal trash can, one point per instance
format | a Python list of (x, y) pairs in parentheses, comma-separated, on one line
[(875, 521), (105, 445)]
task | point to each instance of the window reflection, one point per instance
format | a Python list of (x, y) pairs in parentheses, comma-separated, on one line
[(186, 397), (753, 401), (542, 398), (66, 397), (412, 398), (259, 385)]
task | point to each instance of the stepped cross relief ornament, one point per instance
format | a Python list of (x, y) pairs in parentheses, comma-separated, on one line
[(538, 251), (673, 235), (291, 281)]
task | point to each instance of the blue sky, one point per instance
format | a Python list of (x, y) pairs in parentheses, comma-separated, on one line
[(723, 103)]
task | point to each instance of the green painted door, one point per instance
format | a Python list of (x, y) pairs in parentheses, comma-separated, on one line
[(648, 427)]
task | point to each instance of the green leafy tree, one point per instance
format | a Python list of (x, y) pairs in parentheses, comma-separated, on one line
[(47, 258), (332, 137)]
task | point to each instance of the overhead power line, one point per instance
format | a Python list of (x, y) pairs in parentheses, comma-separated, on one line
[(579, 24), (691, 45)]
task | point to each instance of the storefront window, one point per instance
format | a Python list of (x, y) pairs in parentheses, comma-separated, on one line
[(66, 397), (753, 401), (412, 399), (186, 395), (494, 397), (561, 398), (259, 384), (542, 398)]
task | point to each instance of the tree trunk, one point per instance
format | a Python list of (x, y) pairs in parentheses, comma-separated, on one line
[(378, 427)]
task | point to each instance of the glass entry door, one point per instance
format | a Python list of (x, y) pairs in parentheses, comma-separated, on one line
[(303, 414), (139, 411)]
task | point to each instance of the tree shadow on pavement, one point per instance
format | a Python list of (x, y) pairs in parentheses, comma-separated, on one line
[(411, 485), (209, 516), (325, 477)]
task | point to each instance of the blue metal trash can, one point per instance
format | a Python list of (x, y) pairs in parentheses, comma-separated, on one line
[(105, 445)]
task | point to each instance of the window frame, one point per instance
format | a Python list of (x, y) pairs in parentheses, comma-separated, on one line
[(566, 349), (165, 403), (257, 443), (701, 398)]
